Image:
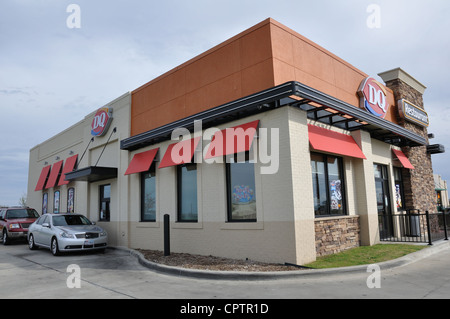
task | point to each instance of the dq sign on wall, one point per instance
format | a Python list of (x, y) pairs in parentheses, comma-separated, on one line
[(101, 121), (373, 97)]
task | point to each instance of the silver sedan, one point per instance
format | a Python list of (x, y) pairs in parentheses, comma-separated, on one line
[(66, 232)]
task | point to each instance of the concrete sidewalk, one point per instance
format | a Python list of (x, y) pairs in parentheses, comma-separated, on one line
[(240, 275)]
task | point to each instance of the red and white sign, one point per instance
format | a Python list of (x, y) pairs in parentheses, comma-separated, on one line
[(101, 121), (373, 97)]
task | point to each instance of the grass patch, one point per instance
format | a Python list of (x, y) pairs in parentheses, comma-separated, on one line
[(364, 255)]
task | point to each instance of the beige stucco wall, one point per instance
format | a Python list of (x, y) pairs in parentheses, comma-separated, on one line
[(75, 140), (60, 147), (284, 231), (274, 237), (360, 181)]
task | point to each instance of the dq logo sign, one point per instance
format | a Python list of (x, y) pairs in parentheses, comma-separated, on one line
[(373, 97), (101, 121)]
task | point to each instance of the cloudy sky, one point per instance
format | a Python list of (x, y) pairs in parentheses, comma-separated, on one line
[(51, 75)]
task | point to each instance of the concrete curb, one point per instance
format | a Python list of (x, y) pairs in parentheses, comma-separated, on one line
[(241, 275)]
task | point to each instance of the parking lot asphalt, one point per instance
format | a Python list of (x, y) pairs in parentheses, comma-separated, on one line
[(119, 273)]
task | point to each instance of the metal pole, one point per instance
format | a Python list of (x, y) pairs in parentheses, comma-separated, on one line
[(166, 235), (428, 228)]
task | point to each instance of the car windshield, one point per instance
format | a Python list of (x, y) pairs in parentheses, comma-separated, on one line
[(21, 213), (69, 220)]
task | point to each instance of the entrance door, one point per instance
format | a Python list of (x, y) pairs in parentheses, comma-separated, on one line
[(383, 200)]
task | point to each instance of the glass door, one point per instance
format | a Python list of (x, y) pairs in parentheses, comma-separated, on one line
[(383, 200)]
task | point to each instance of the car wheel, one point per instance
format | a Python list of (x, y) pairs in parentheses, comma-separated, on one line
[(54, 247), (31, 243), (5, 238)]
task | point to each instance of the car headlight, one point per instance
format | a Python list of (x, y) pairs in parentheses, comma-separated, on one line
[(66, 235), (102, 234), (12, 226)]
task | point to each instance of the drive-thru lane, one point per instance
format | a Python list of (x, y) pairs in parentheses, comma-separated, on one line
[(118, 274)]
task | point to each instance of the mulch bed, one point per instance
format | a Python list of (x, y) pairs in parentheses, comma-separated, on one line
[(191, 261)]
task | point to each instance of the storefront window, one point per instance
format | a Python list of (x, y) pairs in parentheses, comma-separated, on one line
[(187, 193), (328, 185), (105, 199), (399, 192), (56, 202), (71, 200), (45, 203), (148, 195), (241, 190)]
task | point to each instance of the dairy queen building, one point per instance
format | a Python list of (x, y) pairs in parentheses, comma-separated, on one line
[(267, 147)]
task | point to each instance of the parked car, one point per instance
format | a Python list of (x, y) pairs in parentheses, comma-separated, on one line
[(66, 232), (14, 222)]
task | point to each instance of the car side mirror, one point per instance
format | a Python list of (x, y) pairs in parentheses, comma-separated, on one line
[(46, 225)]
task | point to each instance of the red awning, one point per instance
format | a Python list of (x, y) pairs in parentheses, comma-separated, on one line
[(68, 167), (42, 178), (403, 159), (325, 140), (56, 169), (141, 162), (180, 153), (232, 140)]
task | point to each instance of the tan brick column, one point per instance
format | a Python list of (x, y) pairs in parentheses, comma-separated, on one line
[(366, 204)]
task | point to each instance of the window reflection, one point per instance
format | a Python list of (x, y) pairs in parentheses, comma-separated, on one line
[(328, 185), (241, 191), (187, 192), (148, 193), (105, 198), (399, 191)]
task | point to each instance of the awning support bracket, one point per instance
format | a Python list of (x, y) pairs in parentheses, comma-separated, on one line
[(113, 131), (76, 166)]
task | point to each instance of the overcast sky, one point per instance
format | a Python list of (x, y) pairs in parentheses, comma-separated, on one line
[(51, 76)]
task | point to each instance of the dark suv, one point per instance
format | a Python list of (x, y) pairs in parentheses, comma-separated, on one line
[(14, 222)]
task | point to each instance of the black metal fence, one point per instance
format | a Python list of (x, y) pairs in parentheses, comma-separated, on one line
[(413, 226)]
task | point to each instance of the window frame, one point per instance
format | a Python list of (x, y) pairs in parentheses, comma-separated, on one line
[(385, 178), (398, 172), (107, 200), (152, 172), (45, 203), (56, 202), (327, 182), (236, 158), (179, 180), (69, 198)]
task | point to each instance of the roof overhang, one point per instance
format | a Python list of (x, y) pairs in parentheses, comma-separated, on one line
[(92, 174), (435, 149), (329, 110), (319, 106)]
